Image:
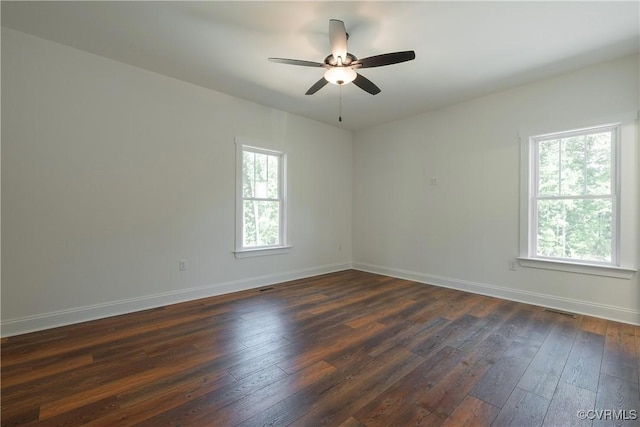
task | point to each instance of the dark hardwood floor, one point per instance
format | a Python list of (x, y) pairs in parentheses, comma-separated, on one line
[(344, 349)]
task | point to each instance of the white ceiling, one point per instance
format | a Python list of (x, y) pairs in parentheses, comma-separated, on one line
[(463, 49)]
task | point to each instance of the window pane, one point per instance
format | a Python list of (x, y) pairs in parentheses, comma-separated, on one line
[(248, 173), (272, 176), (549, 167), (575, 229), (572, 166), (261, 176), (598, 168), (261, 226)]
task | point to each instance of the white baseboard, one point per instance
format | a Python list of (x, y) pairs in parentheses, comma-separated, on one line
[(619, 314), (50, 320), (55, 319)]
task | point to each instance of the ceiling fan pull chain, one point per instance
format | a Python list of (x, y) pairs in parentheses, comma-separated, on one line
[(340, 106)]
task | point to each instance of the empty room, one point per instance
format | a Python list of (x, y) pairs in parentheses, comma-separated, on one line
[(320, 213)]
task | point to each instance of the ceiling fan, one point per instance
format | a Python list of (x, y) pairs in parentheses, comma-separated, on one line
[(341, 65)]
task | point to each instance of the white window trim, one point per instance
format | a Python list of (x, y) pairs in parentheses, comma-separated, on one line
[(248, 252), (575, 267), (626, 216), (534, 197)]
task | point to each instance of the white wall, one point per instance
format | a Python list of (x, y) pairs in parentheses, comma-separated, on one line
[(463, 231), (111, 174)]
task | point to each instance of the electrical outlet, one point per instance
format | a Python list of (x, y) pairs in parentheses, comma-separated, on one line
[(182, 264), (512, 265), (434, 181)]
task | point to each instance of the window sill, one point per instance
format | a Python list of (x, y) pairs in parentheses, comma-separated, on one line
[(249, 253), (574, 267)]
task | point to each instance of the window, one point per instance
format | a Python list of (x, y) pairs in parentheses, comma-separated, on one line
[(578, 200), (574, 199), (261, 210)]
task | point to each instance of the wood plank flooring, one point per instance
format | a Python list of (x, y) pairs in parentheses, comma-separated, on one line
[(343, 349)]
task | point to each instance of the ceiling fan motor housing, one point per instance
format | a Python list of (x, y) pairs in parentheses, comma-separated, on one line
[(330, 60)]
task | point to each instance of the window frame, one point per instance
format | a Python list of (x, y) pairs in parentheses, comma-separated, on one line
[(242, 251), (624, 191), (536, 197)]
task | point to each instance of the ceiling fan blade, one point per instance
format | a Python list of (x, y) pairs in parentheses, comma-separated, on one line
[(385, 59), (367, 85), (317, 86), (297, 62), (338, 39)]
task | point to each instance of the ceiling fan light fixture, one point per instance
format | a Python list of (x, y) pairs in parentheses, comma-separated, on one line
[(341, 65), (340, 75)]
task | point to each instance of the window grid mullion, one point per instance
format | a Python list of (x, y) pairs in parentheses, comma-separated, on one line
[(260, 199), (585, 197)]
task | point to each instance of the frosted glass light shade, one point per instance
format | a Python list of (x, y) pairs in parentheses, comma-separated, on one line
[(340, 75)]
